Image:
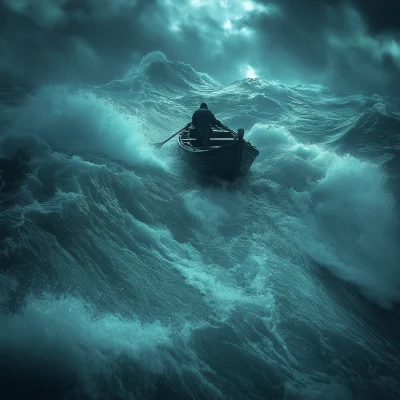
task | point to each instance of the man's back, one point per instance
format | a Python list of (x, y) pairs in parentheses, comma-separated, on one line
[(203, 118)]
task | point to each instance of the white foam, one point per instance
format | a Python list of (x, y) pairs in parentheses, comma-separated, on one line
[(69, 338), (79, 121), (346, 217)]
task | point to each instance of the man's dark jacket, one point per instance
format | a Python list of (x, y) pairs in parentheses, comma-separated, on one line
[(202, 119)]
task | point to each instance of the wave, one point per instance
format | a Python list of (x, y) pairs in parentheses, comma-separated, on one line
[(156, 76), (373, 130), (88, 350), (134, 279), (78, 121), (343, 213)]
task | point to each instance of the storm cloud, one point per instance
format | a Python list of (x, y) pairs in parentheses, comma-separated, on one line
[(330, 43), (345, 45)]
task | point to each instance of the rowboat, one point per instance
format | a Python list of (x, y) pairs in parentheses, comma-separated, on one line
[(228, 155)]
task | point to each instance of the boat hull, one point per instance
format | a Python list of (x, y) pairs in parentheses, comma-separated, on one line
[(228, 161)]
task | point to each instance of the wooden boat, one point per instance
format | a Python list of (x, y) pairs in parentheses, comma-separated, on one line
[(228, 155)]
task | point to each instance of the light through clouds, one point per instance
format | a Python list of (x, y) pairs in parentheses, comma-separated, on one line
[(228, 25), (222, 23), (227, 14), (248, 5), (250, 73)]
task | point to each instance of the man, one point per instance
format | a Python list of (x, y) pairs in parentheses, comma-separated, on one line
[(202, 120)]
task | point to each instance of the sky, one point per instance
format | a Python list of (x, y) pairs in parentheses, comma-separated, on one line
[(346, 45)]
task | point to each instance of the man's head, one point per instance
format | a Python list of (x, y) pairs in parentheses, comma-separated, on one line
[(203, 105)]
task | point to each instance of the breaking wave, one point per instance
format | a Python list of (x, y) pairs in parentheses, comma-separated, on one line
[(124, 276)]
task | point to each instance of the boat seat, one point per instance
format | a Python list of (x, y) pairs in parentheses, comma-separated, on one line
[(214, 139), (206, 148)]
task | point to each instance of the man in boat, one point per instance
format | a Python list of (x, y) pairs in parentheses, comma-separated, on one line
[(202, 120)]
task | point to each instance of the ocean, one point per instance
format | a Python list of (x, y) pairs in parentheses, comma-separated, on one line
[(124, 275)]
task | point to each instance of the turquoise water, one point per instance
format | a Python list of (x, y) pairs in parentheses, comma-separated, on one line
[(123, 275)]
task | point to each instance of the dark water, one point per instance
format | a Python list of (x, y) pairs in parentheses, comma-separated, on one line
[(124, 276)]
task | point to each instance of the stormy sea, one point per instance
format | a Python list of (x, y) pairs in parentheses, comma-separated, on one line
[(124, 275)]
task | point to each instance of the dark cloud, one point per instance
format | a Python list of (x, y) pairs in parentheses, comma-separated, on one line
[(380, 16), (350, 45), (330, 42), (87, 41)]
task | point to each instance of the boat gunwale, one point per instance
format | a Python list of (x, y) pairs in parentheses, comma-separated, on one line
[(199, 149), (226, 161)]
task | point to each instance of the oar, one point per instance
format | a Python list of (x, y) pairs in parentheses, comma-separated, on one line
[(159, 145)]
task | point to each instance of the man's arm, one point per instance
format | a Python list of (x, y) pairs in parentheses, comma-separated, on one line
[(194, 119), (214, 120)]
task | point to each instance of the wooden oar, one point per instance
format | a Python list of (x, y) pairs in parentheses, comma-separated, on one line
[(159, 145)]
